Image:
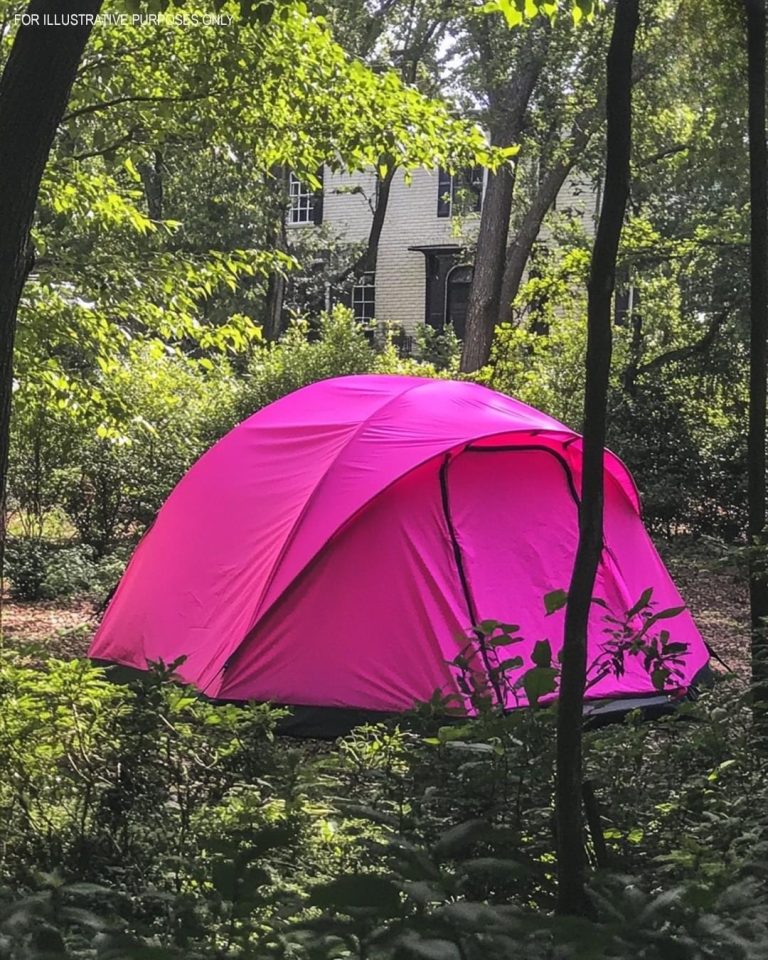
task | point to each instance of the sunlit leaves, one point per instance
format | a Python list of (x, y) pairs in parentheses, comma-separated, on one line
[(516, 12)]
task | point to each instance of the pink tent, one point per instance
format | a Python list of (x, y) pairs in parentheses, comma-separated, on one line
[(333, 549)]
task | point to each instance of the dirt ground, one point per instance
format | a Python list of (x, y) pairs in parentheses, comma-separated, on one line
[(717, 597), (64, 626)]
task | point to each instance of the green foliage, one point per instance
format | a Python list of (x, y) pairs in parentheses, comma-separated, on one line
[(515, 12), (44, 569), (37, 571), (101, 467), (110, 474), (140, 820), (336, 346), (677, 412)]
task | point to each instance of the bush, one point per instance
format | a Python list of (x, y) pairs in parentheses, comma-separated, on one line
[(47, 570), (26, 564), (110, 465), (141, 820), (691, 471), (337, 347)]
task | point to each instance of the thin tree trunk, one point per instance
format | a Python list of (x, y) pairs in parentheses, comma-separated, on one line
[(519, 250), (152, 180), (277, 239), (572, 898), (34, 90), (758, 354), (510, 107), (367, 262)]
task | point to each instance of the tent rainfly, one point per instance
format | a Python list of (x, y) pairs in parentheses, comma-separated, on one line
[(332, 551)]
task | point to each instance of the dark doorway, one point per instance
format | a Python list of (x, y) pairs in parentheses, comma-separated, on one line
[(457, 297), (440, 261)]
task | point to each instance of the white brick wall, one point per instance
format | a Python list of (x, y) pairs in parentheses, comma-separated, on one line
[(412, 220), (347, 213), (577, 198)]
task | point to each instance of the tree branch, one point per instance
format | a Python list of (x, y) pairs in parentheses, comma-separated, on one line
[(108, 149), (116, 101), (692, 349), (662, 154)]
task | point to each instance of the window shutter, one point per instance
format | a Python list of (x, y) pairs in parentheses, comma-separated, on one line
[(317, 205), (444, 193), (475, 184)]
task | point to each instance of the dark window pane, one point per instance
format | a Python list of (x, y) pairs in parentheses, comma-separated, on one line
[(444, 193)]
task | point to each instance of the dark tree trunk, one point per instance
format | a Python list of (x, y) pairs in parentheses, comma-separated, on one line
[(519, 251), (629, 377), (510, 107), (34, 90), (572, 898), (485, 291), (273, 305), (367, 262), (152, 181), (758, 355)]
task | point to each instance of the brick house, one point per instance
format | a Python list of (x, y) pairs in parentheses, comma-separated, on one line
[(423, 269)]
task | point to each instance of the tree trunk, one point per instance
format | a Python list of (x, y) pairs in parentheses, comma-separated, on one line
[(276, 239), (572, 898), (485, 291), (519, 250), (152, 180), (510, 107), (367, 262), (34, 90), (758, 354)]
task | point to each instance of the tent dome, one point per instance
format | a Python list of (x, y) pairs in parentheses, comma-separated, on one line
[(332, 550)]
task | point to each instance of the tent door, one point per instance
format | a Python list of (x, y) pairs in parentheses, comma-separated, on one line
[(513, 516)]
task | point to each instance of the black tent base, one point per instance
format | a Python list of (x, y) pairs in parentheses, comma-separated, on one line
[(328, 723)]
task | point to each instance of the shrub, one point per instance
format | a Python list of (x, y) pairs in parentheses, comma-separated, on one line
[(26, 563), (111, 464), (46, 570)]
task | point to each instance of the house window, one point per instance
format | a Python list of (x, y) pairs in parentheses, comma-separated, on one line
[(459, 192), (306, 204), (364, 298)]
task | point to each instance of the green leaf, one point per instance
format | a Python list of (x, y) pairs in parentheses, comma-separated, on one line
[(642, 603), (542, 653), (462, 837), (356, 891), (555, 600), (513, 663), (538, 682), (668, 613), (505, 640)]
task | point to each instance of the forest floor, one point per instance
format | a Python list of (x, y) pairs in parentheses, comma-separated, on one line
[(715, 592)]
